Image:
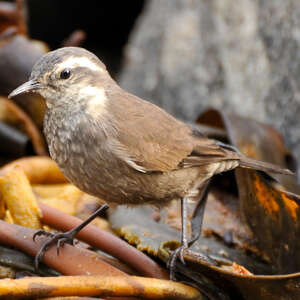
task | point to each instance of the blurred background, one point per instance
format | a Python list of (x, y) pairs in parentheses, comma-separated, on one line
[(107, 25)]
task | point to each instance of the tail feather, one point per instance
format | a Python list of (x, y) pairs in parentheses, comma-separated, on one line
[(246, 162)]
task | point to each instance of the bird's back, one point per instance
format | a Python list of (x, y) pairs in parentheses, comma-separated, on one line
[(154, 139)]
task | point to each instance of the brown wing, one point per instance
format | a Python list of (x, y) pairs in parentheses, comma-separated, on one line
[(149, 139)]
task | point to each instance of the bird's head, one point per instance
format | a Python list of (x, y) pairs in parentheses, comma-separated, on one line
[(70, 74)]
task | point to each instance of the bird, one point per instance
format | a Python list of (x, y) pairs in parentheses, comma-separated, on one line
[(121, 148)]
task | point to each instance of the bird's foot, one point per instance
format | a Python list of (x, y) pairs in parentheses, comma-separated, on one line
[(59, 239), (171, 264), (63, 238)]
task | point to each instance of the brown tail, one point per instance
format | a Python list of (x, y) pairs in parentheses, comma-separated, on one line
[(250, 163)]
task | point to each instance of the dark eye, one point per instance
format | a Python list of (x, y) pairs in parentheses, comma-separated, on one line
[(65, 74)]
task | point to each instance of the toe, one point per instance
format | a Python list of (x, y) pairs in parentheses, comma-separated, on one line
[(60, 243), (41, 232), (181, 254), (40, 253), (171, 264)]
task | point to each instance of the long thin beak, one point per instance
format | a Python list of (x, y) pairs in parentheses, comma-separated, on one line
[(29, 86)]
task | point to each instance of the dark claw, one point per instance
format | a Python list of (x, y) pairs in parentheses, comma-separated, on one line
[(171, 264), (65, 238), (60, 243), (41, 232), (40, 254)]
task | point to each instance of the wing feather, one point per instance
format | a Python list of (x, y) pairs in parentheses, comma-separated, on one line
[(149, 139)]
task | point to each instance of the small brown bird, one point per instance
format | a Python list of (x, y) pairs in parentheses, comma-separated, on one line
[(116, 146)]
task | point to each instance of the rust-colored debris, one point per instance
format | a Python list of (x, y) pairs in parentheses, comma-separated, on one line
[(147, 288)]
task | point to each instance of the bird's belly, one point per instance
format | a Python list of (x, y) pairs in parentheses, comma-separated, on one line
[(115, 181), (97, 171)]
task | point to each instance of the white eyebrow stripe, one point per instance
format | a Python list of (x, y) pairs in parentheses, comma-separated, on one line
[(72, 62)]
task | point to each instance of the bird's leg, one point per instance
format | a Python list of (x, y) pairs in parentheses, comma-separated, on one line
[(178, 253), (197, 219), (196, 228), (62, 238)]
